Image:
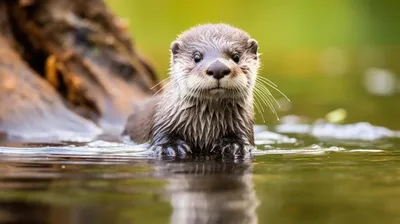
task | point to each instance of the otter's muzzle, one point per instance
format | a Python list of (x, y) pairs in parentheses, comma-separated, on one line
[(218, 70)]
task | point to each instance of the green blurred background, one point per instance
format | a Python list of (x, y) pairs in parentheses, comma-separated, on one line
[(324, 55)]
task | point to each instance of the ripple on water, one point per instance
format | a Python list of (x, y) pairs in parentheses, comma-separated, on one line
[(98, 148), (267, 143)]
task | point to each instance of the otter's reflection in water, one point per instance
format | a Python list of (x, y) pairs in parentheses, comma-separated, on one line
[(124, 190), (210, 191)]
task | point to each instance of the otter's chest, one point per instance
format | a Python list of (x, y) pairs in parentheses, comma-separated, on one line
[(206, 124)]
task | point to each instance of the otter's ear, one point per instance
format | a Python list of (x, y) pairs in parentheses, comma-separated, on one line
[(175, 47), (253, 46)]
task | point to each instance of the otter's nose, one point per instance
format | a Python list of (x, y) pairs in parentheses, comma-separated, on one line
[(218, 70)]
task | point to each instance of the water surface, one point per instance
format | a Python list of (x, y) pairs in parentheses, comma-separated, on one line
[(296, 178)]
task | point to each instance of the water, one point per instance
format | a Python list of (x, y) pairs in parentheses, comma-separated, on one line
[(293, 178)]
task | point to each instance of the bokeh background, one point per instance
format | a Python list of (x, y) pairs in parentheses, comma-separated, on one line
[(324, 55)]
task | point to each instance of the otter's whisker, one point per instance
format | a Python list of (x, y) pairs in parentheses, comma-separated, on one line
[(274, 87), (267, 101), (259, 107), (268, 81), (158, 91), (261, 111), (263, 97), (162, 81), (263, 88), (270, 102), (257, 101)]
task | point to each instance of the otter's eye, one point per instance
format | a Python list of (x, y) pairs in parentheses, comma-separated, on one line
[(236, 58), (197, 57)]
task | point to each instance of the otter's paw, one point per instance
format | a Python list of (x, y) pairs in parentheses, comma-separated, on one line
[(172, 149), (231, 147)]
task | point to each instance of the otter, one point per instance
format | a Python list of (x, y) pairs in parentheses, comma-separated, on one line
[(207, 105)]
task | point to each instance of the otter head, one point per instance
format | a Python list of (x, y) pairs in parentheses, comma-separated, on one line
[(214, 61)]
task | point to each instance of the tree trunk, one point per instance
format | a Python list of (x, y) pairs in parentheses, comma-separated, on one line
[(67, 67)]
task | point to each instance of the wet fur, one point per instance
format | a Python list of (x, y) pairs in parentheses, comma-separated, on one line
[(188, 117), (202, 124)]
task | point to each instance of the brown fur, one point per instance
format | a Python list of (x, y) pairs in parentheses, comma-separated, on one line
[(189, 117), (140, 122)]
